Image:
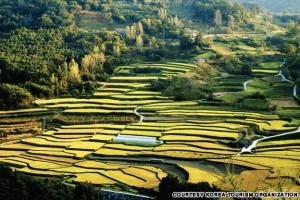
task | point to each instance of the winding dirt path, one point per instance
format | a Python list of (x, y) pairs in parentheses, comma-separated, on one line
[(138, 114), (254, 143), (284, 79), (246, 83)]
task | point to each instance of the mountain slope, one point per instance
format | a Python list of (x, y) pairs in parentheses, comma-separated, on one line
[(292, 6)]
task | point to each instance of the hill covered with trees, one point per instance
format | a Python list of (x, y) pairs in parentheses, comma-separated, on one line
[(129, 94), (63, 47), (292, 6)]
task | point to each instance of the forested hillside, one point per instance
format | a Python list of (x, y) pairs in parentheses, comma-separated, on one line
[(63, 47), (147, 97), (292, 6)]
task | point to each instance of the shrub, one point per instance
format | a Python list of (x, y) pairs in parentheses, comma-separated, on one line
[(13, 97), (38, 90), (171, 184), (159, 85), (146, 70), (183, 89)]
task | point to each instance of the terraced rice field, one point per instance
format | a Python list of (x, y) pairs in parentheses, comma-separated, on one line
[(177, 131)]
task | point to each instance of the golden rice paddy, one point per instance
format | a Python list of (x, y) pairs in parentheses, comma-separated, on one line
[(197, 132)]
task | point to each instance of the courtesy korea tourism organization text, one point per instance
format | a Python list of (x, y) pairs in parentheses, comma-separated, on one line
[(195, 195)]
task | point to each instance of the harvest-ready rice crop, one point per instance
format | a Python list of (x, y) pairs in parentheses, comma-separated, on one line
[(259, 166), (128, 147), (17, 147), (203, 133), (142, 133), (89, 164), (133, 78), (43, 142), (200, 128), (159, 172), (114, 152), (187, 148), (13, 163), (105, 94), (184, 138), (30, 110), (149, 177), (142, 128), (272, 125), (72, 136), (88, 131), (204, 145), (277, 144), (138, 97), (96, 111), (112, 89), (94, 178), (124, 178), (216, 113), (275, 163), (287, 154), (86, 145), (228, 125), (43, 172), (59, 153), (89, 105), (102, 137), (42, 165), (53, 139), (144, 93), (125, 85), (75, 170), (94, 126), (58, 100), (184, 154), (197, 175), (79, 153)]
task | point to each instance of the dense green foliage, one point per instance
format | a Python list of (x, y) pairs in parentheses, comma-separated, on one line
[(47, 50), (42, 53), (191, 86), (206, 10), (34, 14), (13, 97), (16, 186), (171, 184), (292, 6), (292, 49), (289, 44), (186, 89), (59, 59)]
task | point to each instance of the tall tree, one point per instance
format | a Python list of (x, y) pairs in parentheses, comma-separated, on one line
[(74, 74), (140, 29), (128, 32), (218, 18), (139, 41)]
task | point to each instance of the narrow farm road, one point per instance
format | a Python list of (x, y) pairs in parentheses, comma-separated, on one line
[(254, 143), (245, 84), (138, 114)]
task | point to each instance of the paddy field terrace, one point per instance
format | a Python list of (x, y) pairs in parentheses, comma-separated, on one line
[(127, 136)]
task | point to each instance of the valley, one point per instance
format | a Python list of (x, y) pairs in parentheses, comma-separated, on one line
[(129, 97)]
